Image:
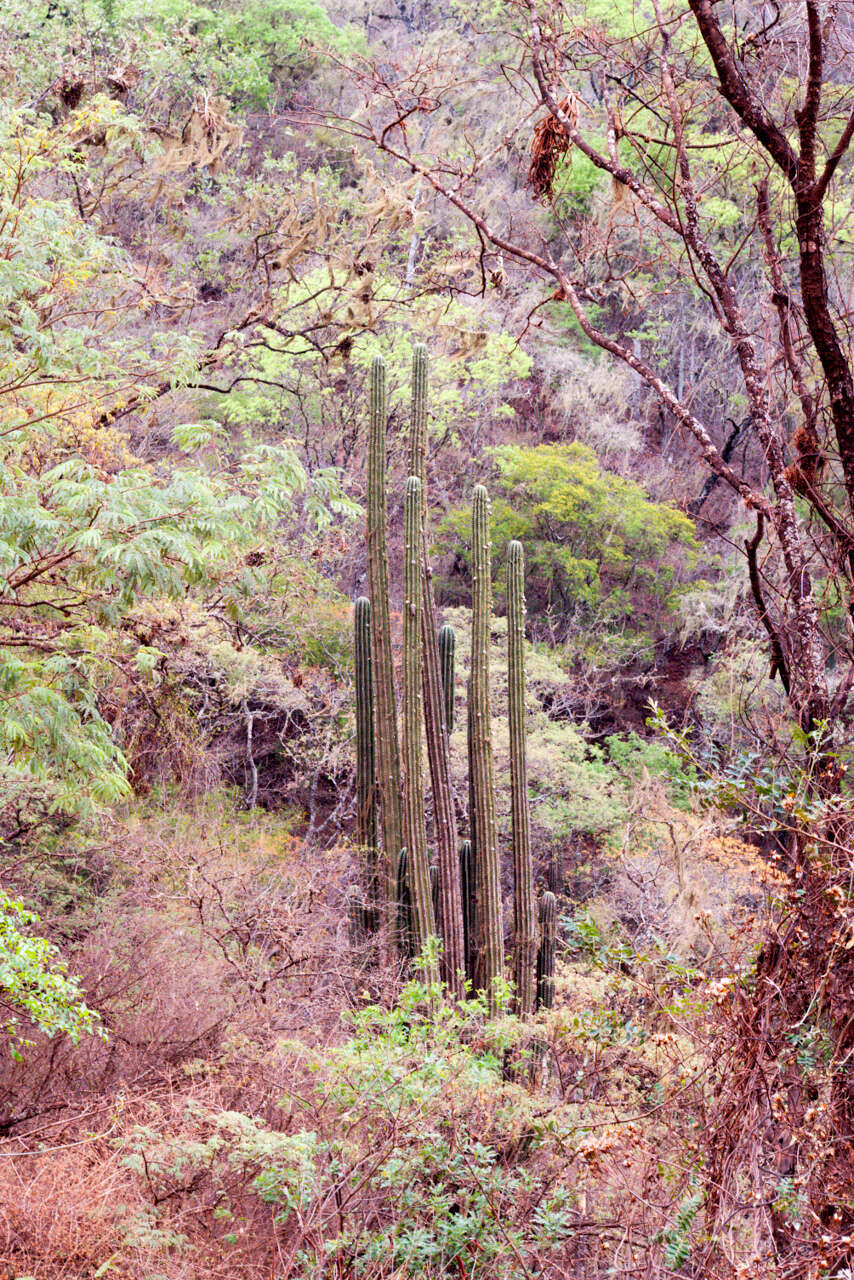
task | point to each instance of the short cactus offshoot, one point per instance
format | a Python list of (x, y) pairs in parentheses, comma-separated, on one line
[(447, 648), (546, 955)]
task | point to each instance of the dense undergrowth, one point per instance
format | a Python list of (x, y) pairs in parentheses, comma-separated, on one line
[(205, 1069), (267, 1097)]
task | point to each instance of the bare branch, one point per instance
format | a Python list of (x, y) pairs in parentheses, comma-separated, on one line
[(738, 93)]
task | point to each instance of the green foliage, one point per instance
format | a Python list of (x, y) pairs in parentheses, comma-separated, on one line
[(252, 50), (81, 550), (58, 274), (407, 1078), (34, 982), (633, 755), (593, 540), (677, 1241), (472, 364)]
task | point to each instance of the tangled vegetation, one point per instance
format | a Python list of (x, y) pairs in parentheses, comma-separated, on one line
[(514, 943)]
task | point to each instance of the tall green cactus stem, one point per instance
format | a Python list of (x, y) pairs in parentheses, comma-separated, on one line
[(470, 905), (524, 909), (414, 820), (489, 951), (366, 792), (467, 892), (434, 889), (449, 919), (447, 646), (385, 705), (546, 954)]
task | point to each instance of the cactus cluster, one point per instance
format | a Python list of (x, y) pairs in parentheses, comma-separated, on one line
[(458, 896)]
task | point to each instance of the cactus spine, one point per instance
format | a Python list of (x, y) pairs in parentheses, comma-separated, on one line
[(366, 795), (449, 917), (447, 645), (546, 954), (489, 951), (385, 706), (524, 910), (415, 826)]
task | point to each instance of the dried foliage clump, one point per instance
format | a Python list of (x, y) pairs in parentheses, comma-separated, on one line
[(550, 144), (780, 1145)]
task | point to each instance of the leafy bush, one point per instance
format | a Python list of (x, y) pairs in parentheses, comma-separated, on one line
[(593, 540), (34, 982), (410, 1154), (632, 755), (251, 50)]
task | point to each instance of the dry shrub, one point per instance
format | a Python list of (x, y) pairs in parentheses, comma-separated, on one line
[(211, 925), (61, 1211), (84, 1203), (687, 879), (781, 1140)]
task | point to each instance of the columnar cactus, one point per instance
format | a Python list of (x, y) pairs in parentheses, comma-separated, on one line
[(546, 954), (467, 893), (447, 646), (385, 705), (403, 906), (449, 916), (524, 911), (415, 825), (471, 903), (434, 889), (490, 940), (366, 792)]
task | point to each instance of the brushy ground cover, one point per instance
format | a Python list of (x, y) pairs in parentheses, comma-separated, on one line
[(272, 1100)]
